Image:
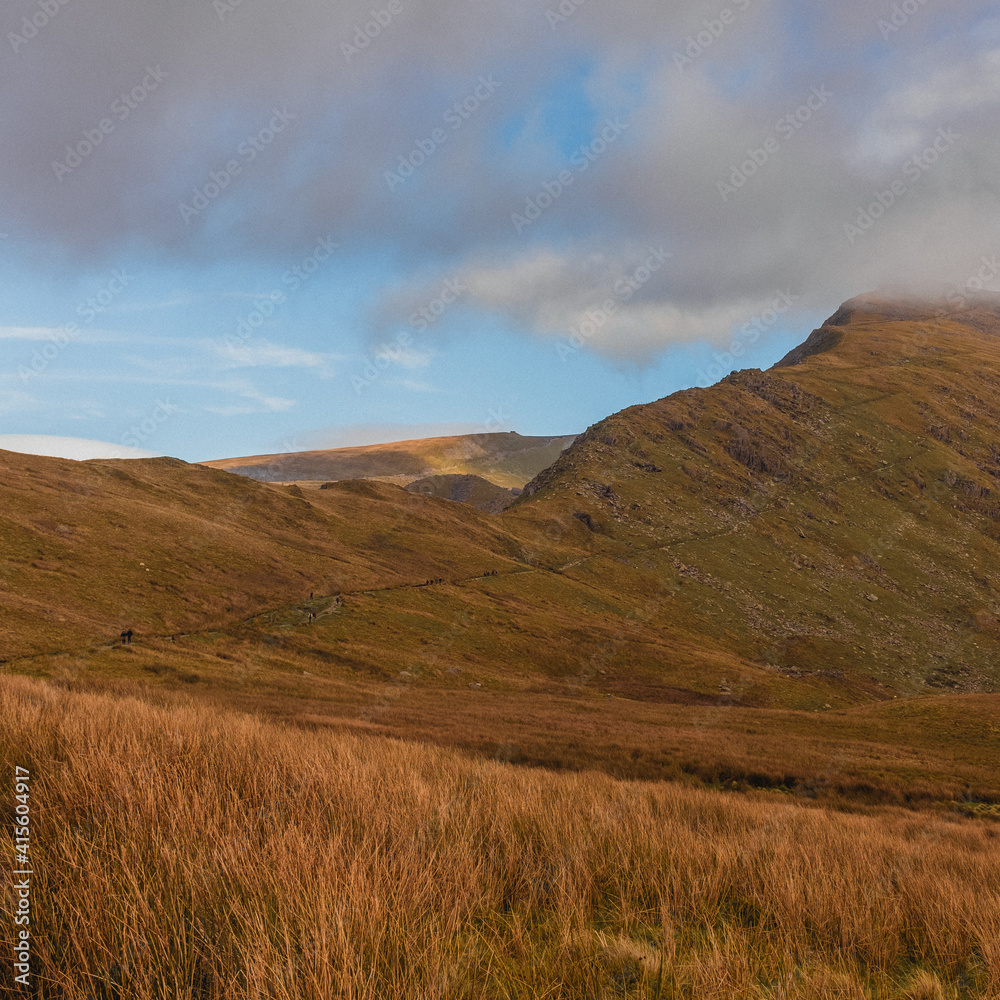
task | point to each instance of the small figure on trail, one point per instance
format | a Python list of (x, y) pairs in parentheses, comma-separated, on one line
[(310, 595), (124, 634), (128, 635)]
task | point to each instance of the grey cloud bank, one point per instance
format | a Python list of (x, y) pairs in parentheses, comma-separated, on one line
[(680, 100)]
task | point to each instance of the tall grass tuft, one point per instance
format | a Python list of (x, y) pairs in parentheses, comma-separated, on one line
[(184, 852)]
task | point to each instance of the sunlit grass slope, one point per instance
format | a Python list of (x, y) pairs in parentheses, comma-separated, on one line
[(193, 853)]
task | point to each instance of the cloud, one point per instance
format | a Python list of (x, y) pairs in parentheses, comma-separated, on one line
[(707, 105), (414, 385), (404, 356), (57, 334), (79, 449), (618, 306), (16, 402), (930, 90), (261, 354), (256, 401), (27, 333)]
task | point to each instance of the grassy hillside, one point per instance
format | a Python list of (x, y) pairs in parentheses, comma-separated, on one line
[(710, 710), (91, 548), (835, 516), (202, 854), (508, 460)]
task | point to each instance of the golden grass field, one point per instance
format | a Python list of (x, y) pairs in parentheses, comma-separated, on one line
[(185, 851)]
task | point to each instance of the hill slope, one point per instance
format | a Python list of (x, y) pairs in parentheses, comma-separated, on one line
[(841, 509), (90, 548), (821, 536), (475, 490), (508, 460)]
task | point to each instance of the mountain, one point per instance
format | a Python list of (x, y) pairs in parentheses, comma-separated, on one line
[(508, 460), (838, 514), (741, 582)]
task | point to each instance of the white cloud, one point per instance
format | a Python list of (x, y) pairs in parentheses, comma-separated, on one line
[(553, 294), (406, 357), (356, 115), (263, 354), (257, 402), (79, 449), (28, 332), (416, 386), (15, 401)]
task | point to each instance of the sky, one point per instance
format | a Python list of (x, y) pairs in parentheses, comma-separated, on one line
[(235, 227)]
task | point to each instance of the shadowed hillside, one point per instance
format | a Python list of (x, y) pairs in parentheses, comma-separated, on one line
[(475, 490)]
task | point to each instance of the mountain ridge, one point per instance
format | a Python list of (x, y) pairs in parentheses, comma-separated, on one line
[(505, 459)]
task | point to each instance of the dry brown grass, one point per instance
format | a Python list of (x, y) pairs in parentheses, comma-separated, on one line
[(181, 851)]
